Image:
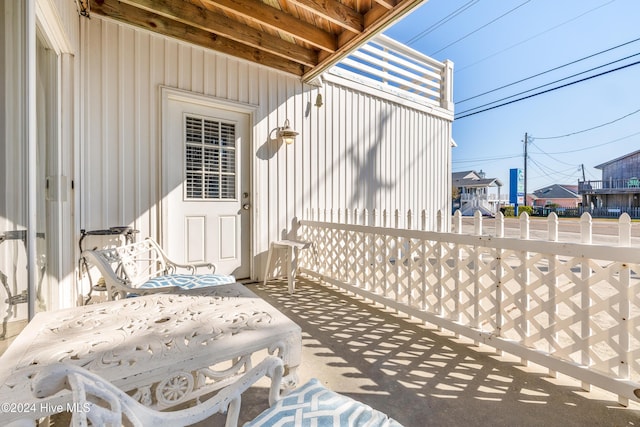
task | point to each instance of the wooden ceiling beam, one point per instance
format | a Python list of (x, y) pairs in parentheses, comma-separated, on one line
[(387, 4), (335, 12), (278, 20), (199, 17), (169, 27)]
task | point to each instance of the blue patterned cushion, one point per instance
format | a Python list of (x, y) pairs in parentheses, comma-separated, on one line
[(189, 281), (314, 405)]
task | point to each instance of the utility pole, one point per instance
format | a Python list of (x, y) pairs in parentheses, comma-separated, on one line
[(583, 178), (526, 139)]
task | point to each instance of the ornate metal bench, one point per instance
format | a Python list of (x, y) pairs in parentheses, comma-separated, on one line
[(100, 403), (143, 268), (164, 349), (97, 401)]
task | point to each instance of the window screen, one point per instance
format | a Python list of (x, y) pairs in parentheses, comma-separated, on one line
[(210, 159)]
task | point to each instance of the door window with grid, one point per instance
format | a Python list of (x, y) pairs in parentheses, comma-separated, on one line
[(210, 159)]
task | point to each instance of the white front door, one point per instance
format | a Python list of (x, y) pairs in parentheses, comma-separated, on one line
[(206, 206)]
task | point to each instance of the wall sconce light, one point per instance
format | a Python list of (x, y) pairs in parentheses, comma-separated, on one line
[(286, 134), (319, 100)]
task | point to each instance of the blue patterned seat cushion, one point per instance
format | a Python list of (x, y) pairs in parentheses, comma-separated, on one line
[(313, 405), (188, 281)]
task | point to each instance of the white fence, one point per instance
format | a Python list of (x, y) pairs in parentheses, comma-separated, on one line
[(386, 64), (571, 307)]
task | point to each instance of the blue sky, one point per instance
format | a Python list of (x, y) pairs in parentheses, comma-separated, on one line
[(497, 42)]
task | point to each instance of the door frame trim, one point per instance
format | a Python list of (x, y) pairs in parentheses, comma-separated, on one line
[(172, 94)]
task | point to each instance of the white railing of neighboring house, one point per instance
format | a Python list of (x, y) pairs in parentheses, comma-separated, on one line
[(386, 64), (498, 198), (571, 307), (467, 196)]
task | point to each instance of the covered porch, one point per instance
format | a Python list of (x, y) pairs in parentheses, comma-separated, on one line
[(104, 98), (417, 373), (420, 375)]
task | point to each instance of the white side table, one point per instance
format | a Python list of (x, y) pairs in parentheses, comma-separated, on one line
[(292, 247)]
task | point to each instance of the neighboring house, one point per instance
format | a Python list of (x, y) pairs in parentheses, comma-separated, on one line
[(171, 122), (556, 195), (473, 193), (619, 189)]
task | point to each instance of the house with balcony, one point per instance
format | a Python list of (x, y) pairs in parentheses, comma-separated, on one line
[(619, 189), (219, 127), (473, 193)]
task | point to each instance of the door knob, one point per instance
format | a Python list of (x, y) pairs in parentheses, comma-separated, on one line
[(246, 206)]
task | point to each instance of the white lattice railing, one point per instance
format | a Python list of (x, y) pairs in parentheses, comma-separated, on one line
[(571, 307)]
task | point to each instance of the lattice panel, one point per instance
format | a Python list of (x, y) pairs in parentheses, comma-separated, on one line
[(574, 309)]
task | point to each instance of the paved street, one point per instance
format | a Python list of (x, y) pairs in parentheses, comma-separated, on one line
[(605, 231)]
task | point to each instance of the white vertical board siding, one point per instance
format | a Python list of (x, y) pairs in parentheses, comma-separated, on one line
[(381, 155), (356, 151)]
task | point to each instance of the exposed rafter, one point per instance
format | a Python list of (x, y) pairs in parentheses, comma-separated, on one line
[(303, 37), (335, 12), (262, 14)]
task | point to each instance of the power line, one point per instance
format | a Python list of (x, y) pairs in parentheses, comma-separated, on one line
[(592, 128), (547, 71), (486, 159), (546, 91), (481, 27), (597, 145), (442, 21), (549, 84), (551, 157), (551, 172), (458, 70)]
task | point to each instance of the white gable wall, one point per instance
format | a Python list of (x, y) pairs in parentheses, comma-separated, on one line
[(356, 151)]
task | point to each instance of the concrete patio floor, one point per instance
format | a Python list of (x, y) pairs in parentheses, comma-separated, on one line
[(418, 375), (421, 376)]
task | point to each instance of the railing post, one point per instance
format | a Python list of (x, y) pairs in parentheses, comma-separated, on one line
[(367, 261), (457, 275), (423, 216), (524, 293), (625, 305), (499, 231), (475, 256), (386, 254), (524, 226), (457, 222), (552, 227), (552, 282), (446, 88), (439, 265), (477, 223), (586, 231), (624, 230), (585, 272), (396, 265), (409, 219)]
